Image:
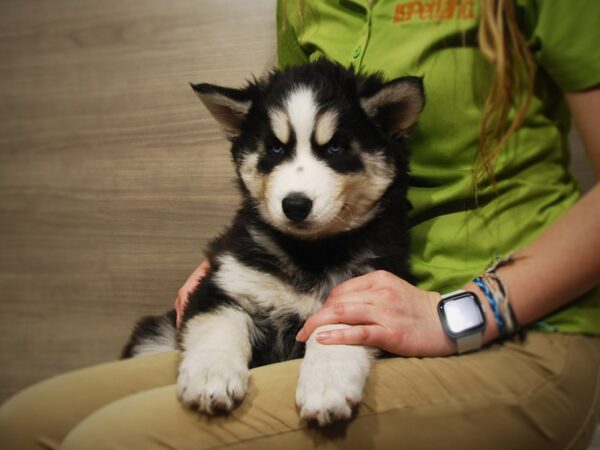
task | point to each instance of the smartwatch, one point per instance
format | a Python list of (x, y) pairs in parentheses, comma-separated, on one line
[(463, 319)]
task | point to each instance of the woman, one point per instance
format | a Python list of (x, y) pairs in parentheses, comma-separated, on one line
[(489, 177)]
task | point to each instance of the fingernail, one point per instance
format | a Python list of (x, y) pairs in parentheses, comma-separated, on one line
[(323, 336), (299, 336)]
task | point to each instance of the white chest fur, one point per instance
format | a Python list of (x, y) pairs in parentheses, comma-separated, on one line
[(255, 290)]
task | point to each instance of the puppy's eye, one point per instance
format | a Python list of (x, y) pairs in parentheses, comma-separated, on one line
[(276, 149), (335, 149)]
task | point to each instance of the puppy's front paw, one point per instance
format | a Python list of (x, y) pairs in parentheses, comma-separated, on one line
[(328, 391), (212, 385)]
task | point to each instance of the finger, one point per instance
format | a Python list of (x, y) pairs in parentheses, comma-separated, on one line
[(202, 270), (196, 276), (348, 313), (348, 297), (188, 287), (183, 293), (372, 335), (181, 303), (371, 280), (374, 296), (178, 312), (356, 284)]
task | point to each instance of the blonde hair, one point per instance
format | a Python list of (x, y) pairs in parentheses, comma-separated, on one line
[(503, 45), (505, 48)]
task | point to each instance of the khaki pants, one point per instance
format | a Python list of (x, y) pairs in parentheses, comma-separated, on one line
[(540, 394)]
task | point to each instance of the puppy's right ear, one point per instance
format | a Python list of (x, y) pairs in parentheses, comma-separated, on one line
[(228, 106)]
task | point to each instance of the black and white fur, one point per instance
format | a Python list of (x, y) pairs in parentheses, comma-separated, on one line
[(322, 169)]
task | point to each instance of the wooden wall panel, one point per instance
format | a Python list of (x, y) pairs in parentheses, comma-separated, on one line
[(112, 174)]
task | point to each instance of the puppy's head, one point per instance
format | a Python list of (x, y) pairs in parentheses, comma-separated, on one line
[(314, 145)]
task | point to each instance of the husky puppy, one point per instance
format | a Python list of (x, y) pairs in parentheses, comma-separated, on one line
[(321, 163)]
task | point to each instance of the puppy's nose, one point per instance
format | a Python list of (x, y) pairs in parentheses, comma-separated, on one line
[(296, 207)]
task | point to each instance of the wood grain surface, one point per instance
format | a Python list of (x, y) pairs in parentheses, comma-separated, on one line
[(112, 174)]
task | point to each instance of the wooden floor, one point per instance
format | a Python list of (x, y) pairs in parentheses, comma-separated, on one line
[(112, 175)]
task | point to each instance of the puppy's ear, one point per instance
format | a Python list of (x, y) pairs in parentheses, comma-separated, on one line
[(396, 105), (228, 106)]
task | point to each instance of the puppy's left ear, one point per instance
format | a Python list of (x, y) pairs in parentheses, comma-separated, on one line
[(229, 106), (396, 105)]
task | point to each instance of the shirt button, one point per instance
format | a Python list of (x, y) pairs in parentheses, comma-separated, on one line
[(356, 53)]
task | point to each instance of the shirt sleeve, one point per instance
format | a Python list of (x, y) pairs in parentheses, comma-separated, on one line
[(566, 40), (289, 50)]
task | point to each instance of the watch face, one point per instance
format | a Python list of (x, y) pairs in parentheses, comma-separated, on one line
[(461, 314)]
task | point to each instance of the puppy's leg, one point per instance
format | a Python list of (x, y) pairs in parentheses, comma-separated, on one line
[(332, 379), (213, 374)]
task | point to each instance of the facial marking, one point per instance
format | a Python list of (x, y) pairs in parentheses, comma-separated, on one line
[(249, 174), (363, 190), (326, 126), (304, 173), (302, 110), (280, 125)]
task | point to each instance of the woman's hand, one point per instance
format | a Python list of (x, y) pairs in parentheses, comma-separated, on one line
[(188, 287), (384, 311)]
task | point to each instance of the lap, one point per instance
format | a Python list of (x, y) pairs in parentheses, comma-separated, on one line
[(543, 393), (43, 414)]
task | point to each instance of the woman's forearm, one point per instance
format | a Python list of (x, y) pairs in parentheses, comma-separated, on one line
[(558, 266)]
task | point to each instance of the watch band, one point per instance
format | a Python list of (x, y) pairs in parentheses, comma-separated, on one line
[(469, 343)]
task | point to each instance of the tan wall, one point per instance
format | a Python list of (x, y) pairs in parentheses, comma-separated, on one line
[(112, 174)]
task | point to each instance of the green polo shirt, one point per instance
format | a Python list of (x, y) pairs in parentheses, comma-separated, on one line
[(452, 240)]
